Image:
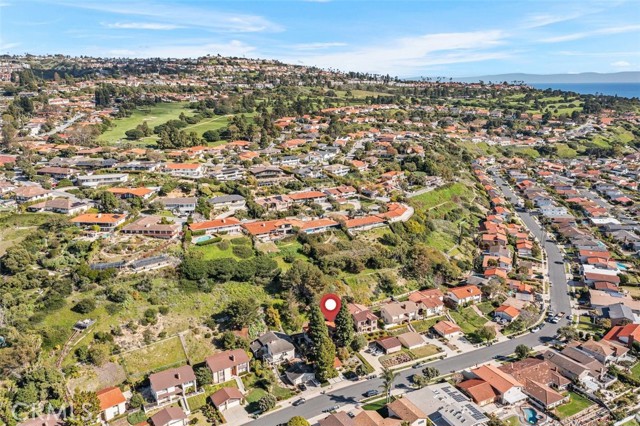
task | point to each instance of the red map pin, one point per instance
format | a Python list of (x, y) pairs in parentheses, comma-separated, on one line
[(330, 306)]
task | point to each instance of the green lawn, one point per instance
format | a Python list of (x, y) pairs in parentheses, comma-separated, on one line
[(375, 405), (442, 241), (424, 351), (585, 324), (485, 307), (441, 195), (197, 402), (213, 251), (468, 320), (288, 249), (156, 357), (635, 371), (154, 116), (217, 250), (574, 406), (564, 151), (513, 421), (213, 123), (422, 326), (525, 150)]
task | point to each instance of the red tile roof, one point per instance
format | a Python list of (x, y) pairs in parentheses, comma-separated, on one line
[(110, 397)]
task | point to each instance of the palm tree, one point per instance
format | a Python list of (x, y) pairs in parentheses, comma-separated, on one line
[(388, 377)]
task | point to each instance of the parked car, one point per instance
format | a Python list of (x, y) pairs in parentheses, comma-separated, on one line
[(535, 329), (330, 409), (299, 402), (372, 392)]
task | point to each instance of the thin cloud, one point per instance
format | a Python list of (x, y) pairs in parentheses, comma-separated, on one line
[(317, 46), (143, 26), (544, 19), (411, 53), (621, 64), (180, 15), (8, 46), (595, 54), (585, 34)]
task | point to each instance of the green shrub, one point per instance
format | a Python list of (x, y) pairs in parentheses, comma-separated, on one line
[(137, 418), (240, 241), (243, 252)]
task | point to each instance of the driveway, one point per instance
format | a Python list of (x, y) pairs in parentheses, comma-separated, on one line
[(236, 415)]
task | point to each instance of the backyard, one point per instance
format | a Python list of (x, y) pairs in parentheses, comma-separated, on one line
[(468, 320), (635, 371), (576, 404)]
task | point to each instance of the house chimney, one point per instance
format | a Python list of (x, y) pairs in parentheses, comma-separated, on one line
[(232, 357), (178, 376), (99, 215)]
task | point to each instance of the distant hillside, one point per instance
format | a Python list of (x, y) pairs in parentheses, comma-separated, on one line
[(585, 77)]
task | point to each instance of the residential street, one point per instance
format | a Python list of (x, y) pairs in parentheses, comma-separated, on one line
[(560, 302)]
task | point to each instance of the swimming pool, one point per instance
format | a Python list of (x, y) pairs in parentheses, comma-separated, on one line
[(622, 267), (530, 415), (202, 239)]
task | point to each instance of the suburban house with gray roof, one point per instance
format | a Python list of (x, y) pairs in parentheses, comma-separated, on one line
[(274, 348)]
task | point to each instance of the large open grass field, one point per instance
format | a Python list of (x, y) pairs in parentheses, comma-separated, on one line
[(158, 356), (159, 114), (154, 116), (432, 199)]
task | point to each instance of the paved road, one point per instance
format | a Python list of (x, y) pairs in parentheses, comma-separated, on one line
[(64, 125), (560, 302)]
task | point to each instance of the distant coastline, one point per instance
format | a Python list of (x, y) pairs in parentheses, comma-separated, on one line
[(585, 77), (627, 90)]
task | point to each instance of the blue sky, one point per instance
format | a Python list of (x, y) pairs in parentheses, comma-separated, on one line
[(403, 38)]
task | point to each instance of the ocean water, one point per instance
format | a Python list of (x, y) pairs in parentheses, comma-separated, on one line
[(627, 90)]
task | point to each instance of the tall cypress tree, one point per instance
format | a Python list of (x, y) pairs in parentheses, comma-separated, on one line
[(317, 327), (344, 327), (323, 350)]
